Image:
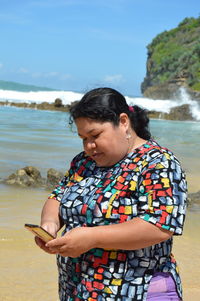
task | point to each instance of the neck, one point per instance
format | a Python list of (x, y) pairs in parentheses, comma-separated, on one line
[(135, 142)]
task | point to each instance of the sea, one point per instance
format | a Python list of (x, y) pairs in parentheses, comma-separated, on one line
[(44, 139)]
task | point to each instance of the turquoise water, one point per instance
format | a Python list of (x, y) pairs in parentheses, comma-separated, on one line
[(38, 138), (44, 140)]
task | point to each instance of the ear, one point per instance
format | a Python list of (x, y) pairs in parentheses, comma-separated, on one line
[(124, 121)]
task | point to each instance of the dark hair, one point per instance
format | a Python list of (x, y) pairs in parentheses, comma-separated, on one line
[(106, 104)]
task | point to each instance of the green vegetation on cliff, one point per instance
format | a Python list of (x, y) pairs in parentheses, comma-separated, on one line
[(174, 56)]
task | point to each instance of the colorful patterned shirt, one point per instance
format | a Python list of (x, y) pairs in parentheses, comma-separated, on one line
[(148, 183)]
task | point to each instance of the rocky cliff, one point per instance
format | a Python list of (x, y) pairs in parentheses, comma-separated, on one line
[(173, 60)]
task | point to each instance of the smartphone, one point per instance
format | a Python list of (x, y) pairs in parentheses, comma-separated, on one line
[(40, 232)]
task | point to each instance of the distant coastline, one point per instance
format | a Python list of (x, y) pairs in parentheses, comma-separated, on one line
[(55, 106), (182, 107), (182, 112)]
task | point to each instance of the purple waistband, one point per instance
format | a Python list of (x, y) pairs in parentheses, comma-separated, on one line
[(162, 287)]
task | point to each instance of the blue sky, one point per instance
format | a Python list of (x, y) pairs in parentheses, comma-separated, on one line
[(78, 45)]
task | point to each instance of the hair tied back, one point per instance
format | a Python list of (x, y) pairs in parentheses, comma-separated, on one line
[(131, 109)]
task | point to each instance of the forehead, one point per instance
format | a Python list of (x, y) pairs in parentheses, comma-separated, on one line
[(87, 125)]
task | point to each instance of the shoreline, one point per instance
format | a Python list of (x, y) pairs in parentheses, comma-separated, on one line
[(55, 106), (193, 196), (182, 112)]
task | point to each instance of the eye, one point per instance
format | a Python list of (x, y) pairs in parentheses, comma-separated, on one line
[(96, 136)]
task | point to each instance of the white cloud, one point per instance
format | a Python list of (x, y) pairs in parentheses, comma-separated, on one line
[(44, 74), (52, 74), (65, 76), (23, 70), (37, 74), (113, 79)]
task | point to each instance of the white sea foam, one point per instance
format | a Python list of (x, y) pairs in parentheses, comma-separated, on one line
[(165, 105), (68, 97), (40, 96), (152, 104), (194, 105)]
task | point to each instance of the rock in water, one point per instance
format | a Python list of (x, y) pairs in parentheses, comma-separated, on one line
[(194, 197), (53, 177), (58, 103), (182, 112), (28, 176)]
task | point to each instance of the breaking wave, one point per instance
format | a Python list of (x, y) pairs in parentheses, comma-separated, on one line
[(68, 97)]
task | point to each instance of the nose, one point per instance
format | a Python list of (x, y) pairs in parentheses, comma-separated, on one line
[(90, 145)]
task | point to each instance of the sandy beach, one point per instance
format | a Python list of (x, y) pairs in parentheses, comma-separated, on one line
[(53, 53), (27, 137), (27, 273)]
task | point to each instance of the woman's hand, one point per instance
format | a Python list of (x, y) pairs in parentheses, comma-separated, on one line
[(50, 227), (74, 243), (50, 221)]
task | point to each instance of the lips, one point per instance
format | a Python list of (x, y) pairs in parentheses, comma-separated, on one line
[(96, 155)]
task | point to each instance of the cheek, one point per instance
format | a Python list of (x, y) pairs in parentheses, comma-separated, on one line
[(104, 144), (119, 138), (116, 143), (121, 144)]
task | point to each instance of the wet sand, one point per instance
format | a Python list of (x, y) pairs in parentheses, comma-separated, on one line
[(27, 273)]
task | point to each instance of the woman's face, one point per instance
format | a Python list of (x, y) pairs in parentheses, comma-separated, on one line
[(104, 142)]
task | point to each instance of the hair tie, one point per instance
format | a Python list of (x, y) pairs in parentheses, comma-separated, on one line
[(131, 109)]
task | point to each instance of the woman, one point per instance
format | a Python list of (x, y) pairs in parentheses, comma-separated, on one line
[(121, 201)]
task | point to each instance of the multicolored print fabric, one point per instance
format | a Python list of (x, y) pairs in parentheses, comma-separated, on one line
[(147, 183)]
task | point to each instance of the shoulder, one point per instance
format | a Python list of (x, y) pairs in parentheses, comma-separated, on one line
[(154, 155), (153, 150)]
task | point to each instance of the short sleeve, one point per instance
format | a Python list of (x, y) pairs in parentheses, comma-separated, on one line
[(59, 189), (162, 193), (75, 165)]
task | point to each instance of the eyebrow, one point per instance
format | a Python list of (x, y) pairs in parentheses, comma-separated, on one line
[(89, 132)]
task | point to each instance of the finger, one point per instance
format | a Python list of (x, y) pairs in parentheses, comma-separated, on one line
[(42, 246), (58, 242), (54, 250), (49, 251), (39, 241)]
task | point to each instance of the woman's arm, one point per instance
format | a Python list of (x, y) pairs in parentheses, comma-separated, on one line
[(50, 214), (50, 221), (50, 218), (132, 235)]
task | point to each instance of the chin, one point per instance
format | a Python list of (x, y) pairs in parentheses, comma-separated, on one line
[(104, 164), (100, 164)]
